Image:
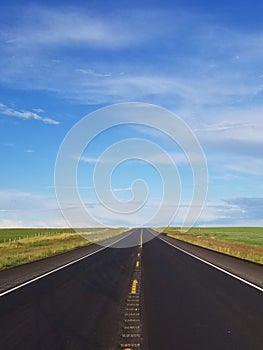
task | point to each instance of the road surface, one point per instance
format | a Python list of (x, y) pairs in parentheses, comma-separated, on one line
[(151, 296)]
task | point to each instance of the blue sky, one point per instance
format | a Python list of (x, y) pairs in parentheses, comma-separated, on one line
[(201, 60)]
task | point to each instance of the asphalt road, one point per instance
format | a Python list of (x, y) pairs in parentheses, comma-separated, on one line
[(191, 305), (21, 274), (154, 297)]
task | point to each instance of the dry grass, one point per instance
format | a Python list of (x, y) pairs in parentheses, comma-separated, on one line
[(231, 241), (26, 249)]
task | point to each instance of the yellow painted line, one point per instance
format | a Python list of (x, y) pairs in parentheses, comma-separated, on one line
[(137, 263), (134, 287), (141, 240), (139, 254)]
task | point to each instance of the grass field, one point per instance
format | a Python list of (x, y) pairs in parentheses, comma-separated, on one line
[(242, 242), (18, 246), (10, 234)]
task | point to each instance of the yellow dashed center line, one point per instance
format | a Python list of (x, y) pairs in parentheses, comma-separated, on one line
[(131, 336), (134, 287), (141, 240)]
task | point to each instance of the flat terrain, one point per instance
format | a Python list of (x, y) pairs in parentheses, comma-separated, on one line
[(178, 302), (11, 234), (18, 246), (242, 242)]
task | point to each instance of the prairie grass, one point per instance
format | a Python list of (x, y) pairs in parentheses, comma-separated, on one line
[(242, 242), (35, 245)]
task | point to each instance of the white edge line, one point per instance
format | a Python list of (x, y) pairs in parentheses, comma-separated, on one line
[(58, 268), (215, 266)]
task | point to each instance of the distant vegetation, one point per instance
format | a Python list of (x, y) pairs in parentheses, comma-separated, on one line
[(242, 242), (18, 246), (10, 234)]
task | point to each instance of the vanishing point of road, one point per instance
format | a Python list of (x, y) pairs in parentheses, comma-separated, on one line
[(150, 295)]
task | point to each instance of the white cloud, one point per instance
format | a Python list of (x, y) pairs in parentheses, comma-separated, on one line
[(166, 158), (8, 111), (234, 137), (92, 73), (232, 212), (25, 209), (89, 58), (124, 189), (249, 167), (72, 187), (87, 159), (191, 81), (74, 26), (38, 110), (236, 124)]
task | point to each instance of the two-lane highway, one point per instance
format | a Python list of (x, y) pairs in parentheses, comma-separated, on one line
[(149, 297)]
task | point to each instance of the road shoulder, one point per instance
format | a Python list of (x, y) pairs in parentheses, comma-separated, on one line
[(15, 276), (244, 269)]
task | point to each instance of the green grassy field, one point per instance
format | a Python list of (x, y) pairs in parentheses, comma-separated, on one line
[(18, 246), (242, 242), (10, 234)]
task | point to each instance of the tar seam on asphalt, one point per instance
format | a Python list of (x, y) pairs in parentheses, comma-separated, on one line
[(131, 329)]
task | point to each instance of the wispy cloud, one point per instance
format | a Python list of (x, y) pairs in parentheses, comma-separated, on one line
[(26, 209), (165, 158), (75, 27), (92, 73), (38, 110), (239, 124), (124, 189), (252, 166), (249, 207), (211, 75), (212, 79), (87, 159), (8, 111), (239, 211), (234, 136)]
